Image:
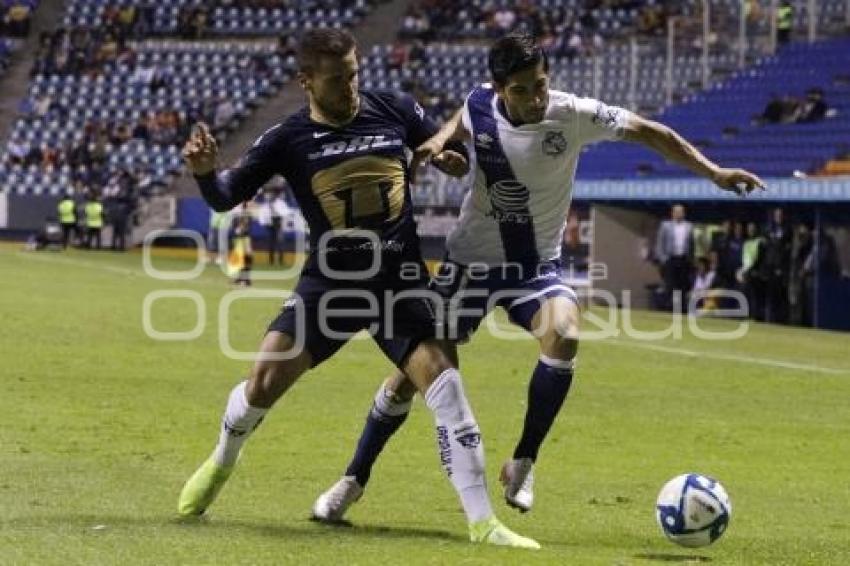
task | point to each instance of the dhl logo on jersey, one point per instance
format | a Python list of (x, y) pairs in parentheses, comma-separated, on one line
[(355, 145)]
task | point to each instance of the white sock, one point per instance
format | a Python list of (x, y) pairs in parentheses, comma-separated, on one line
[(388, 405), (459, 442), (239, 421)]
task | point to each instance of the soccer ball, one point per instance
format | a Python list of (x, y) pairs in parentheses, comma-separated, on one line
[(693, 510)]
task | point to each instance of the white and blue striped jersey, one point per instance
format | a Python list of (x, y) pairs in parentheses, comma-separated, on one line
[(523, 176)]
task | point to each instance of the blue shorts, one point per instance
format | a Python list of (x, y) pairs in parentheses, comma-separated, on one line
[(323, 314), (469, 294)]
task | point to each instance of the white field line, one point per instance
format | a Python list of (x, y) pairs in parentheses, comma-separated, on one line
[(106, 267), (770, 362)]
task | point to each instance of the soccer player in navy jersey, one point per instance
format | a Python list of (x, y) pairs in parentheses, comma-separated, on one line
[(344, 156), (505, 248)]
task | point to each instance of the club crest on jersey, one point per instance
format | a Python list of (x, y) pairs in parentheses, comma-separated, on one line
[(554, 143)]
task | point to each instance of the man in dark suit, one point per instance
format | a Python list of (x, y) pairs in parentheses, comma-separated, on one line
[(674, 250)]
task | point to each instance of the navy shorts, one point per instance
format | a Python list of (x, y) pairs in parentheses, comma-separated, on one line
[(469, 293), (323, 314)]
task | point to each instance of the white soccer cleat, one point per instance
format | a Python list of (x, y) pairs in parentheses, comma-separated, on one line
[(518, 478), (331, 506)]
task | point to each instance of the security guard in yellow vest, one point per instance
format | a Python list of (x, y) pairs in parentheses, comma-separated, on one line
[(67, 218), (94, 221), (784, 22)]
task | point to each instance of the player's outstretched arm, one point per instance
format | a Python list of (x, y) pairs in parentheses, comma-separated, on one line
[(238, 184), (449, 161), (673, 147)]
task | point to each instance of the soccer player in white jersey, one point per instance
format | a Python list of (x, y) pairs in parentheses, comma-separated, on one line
[(505, 249)]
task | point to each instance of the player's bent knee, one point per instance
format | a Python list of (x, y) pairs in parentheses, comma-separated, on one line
[(561, 342), (563, 348), (426, 363), (400, 386)]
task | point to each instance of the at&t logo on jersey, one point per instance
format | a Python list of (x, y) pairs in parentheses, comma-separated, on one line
[(509, 201)]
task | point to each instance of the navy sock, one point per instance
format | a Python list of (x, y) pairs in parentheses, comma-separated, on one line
[(377, 431), (546, 393)]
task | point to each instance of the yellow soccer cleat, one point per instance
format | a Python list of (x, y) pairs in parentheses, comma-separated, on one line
[(202, 488), (492, 531)]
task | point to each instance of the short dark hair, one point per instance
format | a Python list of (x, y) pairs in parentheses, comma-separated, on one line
[(513, 53), (323, 42)]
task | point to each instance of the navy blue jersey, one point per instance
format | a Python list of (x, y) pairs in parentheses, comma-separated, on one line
[(353, 177)]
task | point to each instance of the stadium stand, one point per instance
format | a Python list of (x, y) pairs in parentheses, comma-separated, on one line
[(110, 97), (135, 115), (131, 99), (451, 70), (721, 119), (193, 19), (448, 20), (440, 57)]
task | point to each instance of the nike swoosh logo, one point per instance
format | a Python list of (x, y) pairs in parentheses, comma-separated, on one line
[(320, 134)]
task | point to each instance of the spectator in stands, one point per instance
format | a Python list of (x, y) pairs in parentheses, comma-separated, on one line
[(674, 247), (501, 22), (652, 20), (754, 15), (418, 55), (588, 21), (569, 43), (50, 156), (17, 151), (198, 24), (17, 19), (398, 55), (775, 267), (126, 18), (79, 154), (529, 19), (784, 22), (120, 134), (140, 130), (415, 25), (224, 114), (34, 156), (287, 45), (751, 273), (166, 128), (41, 106), (780, 110), (813, 108)]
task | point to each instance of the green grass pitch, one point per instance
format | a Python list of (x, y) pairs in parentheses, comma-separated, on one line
[(102, 425)]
